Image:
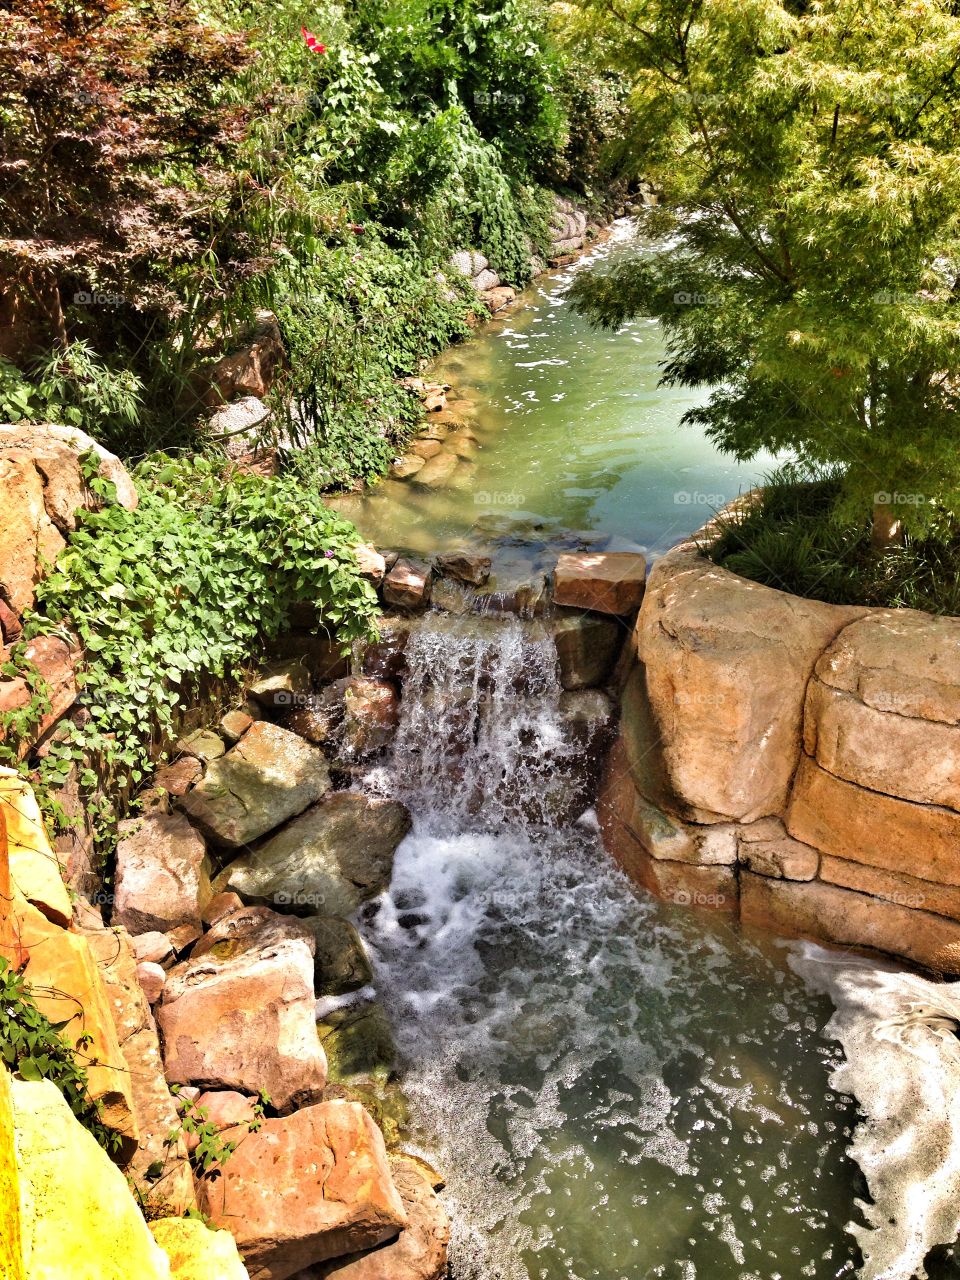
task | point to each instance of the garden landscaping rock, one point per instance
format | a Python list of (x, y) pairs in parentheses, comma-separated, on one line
[(268, 777), (220, 905), (250, 929), (438, 471), (420, 1250), (151, 977), (306, 1188), (197, 1253), (466, 566), (335, 856), (282, 684), (34, 868), (234, 725), (407, 585), (176, 779), (587, 648), (203, 744), (341, 958), (162, 875), (245, 1021), (385, 657), (602, 581)]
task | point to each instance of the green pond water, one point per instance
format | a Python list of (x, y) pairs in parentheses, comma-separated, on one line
[(574, 434)]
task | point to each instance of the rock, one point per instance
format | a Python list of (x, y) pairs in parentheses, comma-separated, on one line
[(177, 778), (341, 958), (41, 489), (847, 919), (407, 466), (197, 1253), (438, 471), (335, 856), (498, 297), (407, 585), (385, 657), (53, 660), (587, 648), (68, 989), (251, 929), (726, 664), (151, 977), (34, 868), (854, 725), (426, 449), (202, 744), (162, 876), (152, 948), (241, 426), (248, 371), (485, 280), (466, 566), (234, 725), (371, 712), (268, 777), (717, 846), (420, 1250), (784, 859), (245, 1022), (11, 628), (220, 905), (370, 563), (434, 401), (306, 1188), (78, 1218), (863, 826), (159, 1168), (453, 597), (283, 684), (684, 883), (899, 887), (11, 1249), (602, 581), (356, 1038)]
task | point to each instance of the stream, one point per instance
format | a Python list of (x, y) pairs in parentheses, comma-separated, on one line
[(614, 1087)]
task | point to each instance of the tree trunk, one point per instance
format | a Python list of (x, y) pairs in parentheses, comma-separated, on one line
[(887, 528)]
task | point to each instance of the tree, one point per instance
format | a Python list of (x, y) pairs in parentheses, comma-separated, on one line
[(111, 120), (805, 263)]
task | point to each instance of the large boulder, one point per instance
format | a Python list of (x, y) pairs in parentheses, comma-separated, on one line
[(159, 1168), (305, 1188), (601, 581), (358, 715), (268, 777), (727, 663), (407, 585), (162, 875), (78, 1218), (68, 989), (420, 1250), (330, 859), (883, 708), (41, 490), (197, 1253), (248, 371), (34, 869), (852, 822), (54, 660), (245, 1020), (11, 1250)]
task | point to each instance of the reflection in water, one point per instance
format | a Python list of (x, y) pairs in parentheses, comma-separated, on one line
[(574, 432)]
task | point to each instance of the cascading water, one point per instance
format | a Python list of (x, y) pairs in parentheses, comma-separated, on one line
[(615, 1088)]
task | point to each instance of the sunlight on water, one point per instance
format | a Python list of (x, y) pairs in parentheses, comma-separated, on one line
[(574, 432)]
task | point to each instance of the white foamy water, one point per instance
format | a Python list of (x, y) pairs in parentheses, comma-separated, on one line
[(615, 1088)]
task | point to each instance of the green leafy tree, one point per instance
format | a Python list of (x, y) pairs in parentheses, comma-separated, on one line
[(808, 252)]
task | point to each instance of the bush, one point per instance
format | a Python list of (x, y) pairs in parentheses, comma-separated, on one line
[(796, 537)]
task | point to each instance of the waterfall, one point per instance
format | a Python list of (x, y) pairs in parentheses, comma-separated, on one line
[(615, 1088)]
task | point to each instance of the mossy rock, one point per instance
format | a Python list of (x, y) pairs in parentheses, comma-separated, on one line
[(357, 1041), (341, 960), (385, 1100)]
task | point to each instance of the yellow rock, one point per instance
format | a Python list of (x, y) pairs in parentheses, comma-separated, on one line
[(34, 868), (10, 1261), (64, 981), (78, 1218), (197, 1253)]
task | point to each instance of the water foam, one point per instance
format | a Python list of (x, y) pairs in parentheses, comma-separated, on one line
[(597, 1074)]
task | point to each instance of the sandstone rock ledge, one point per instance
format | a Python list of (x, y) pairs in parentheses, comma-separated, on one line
[(794, 762)]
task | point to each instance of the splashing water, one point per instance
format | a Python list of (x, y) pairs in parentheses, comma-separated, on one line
[(615, 1088)]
